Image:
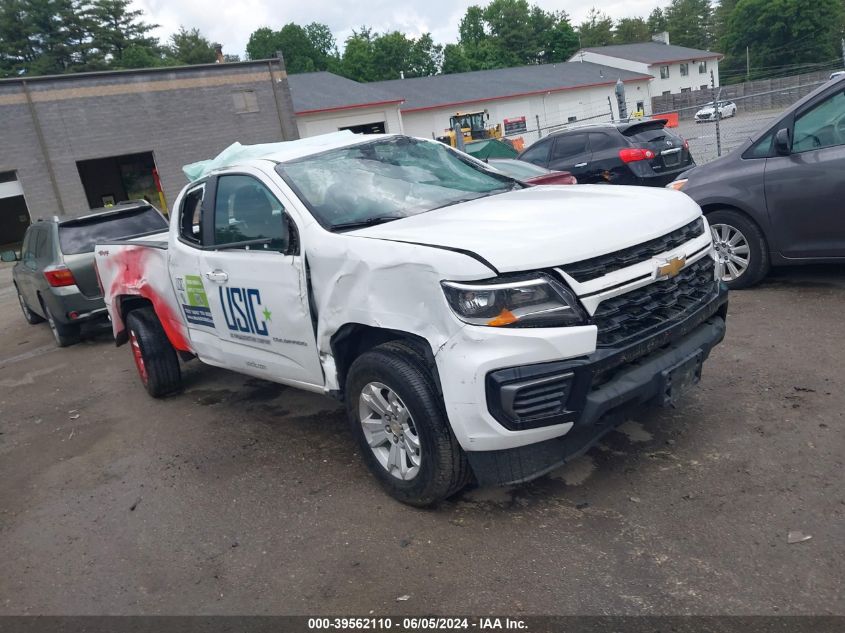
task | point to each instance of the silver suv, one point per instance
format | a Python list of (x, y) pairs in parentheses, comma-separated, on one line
[(55, 279)]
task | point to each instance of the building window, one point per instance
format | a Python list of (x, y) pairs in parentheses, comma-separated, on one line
[(684, 70), (245, 101), (702, 68), (571, 119), (664, 72)]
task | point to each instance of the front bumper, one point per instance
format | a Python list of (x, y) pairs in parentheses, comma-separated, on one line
[(603, 386)]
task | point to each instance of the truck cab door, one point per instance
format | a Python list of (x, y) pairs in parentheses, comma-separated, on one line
[(253, 275)]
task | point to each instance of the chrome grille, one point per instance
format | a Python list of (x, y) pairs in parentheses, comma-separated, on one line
[(636, 313), (596, 267)]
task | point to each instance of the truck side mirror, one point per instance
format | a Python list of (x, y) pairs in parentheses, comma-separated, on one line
[(783, 146)]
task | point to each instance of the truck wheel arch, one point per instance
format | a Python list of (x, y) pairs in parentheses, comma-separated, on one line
[(126, 304), (353, 339)]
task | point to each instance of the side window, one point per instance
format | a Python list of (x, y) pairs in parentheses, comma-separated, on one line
[(190, 215), (762, 148), (569, 146), (537, 153), (822, 126), (664, 72), (600, 141), (245, 210), (41, 245)]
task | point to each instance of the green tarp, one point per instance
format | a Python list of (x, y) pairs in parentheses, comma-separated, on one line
[(490, 148)]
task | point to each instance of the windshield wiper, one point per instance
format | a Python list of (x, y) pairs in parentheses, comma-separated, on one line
[(360, 224)]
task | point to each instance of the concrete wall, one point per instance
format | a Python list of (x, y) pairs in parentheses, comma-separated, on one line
[(180, 115), (552, 108), (331, 121)]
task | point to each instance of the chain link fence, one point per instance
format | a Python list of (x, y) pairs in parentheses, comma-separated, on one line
[(741, 115)]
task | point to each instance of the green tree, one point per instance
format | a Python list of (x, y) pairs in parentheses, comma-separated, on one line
[(454, 59), (426, 57), (781, 34), (357, 60), (596, 30), (116, 28), (391, 53), (509, 23), (555, 39), (657, 21), (305, 49), (630, 31), (190, 47), (690, 23)]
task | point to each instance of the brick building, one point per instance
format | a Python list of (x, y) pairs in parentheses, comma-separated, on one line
[(70, 143)]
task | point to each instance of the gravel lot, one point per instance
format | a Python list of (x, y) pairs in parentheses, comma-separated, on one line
[(240, 496), (734, 131)]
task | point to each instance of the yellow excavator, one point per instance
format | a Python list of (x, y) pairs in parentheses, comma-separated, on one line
[(473, 127)]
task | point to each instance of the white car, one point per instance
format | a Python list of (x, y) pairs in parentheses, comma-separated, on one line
[(473, 326), (839, 73), (708, 112)]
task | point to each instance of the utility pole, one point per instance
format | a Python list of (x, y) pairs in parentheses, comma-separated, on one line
[(610, 105), (747, 64), (620, 100), (716, 106)]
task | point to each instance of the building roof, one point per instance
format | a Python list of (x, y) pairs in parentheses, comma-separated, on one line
[(652, 52), (325, 91), (424, 93)]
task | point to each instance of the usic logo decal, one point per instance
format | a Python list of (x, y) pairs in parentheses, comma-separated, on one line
[(241, 309)]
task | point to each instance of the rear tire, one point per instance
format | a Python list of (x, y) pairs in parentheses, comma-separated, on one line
[(155, 358), (400, 373), (729, 225), (64, 334), (28, 314)]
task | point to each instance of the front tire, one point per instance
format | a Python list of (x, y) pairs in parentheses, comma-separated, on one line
[(740, 248), (397, 418), (28, 314), (64, 334), (154, 356)]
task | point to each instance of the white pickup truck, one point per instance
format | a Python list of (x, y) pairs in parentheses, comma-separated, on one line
[(476, 328)]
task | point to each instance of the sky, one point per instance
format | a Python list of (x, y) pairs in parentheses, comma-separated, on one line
[(230, 22)]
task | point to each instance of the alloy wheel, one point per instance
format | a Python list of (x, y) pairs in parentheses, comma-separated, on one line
[(389, 430), (732, 251), (138, 357)]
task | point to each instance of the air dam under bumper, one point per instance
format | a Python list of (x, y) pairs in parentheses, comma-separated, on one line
[(605, 407)]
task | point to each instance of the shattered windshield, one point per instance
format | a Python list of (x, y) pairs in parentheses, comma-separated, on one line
[(386, 180)]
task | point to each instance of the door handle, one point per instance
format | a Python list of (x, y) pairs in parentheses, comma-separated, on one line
[(581, 164), (217, 276)]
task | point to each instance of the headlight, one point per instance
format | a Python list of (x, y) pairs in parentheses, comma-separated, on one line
[(535, 302), (677, 185)]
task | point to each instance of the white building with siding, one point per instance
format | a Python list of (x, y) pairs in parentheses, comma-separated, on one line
[(547, 96), (673, 69)]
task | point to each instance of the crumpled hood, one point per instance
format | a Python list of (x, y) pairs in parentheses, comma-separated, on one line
[(540, 227)]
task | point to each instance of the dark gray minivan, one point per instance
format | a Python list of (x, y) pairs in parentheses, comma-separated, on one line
[(56, 280), (779, 199)]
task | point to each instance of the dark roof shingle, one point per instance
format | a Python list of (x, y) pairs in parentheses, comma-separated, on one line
[(652, 52), (326, 91), (484, 85)]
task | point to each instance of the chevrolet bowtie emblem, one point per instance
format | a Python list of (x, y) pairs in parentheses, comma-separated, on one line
[(671, 268)]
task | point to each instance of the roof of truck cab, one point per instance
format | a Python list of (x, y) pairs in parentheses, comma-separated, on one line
[(284, 151)]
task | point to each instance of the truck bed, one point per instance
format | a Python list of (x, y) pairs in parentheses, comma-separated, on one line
[(134, 272)]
